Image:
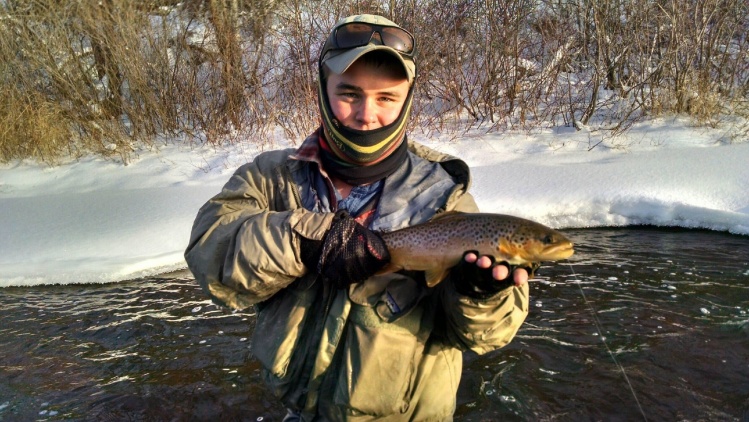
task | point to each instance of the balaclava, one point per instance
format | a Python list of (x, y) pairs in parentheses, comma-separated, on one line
[(359, 156)]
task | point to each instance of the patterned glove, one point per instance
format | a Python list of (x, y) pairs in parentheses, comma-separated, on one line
[(349, 253)]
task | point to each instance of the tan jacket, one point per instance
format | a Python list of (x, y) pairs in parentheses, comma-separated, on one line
[(388, 348)]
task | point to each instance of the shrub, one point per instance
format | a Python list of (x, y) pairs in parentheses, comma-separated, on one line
[(99, 75)]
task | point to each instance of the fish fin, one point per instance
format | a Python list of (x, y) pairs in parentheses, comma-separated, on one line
[(435, 275), (505, 248), (445, 215), (509, 253), (388, 268)]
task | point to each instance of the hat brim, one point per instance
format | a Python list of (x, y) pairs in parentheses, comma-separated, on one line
[(339, 63)]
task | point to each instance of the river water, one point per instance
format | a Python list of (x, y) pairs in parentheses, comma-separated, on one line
[(640, 324)]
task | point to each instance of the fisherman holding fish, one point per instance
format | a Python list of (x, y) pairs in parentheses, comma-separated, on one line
[(357, 317)]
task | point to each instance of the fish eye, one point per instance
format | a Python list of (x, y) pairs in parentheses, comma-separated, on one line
[(548, 239)]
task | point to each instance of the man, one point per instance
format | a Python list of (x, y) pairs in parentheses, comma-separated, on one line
[(294, 233)]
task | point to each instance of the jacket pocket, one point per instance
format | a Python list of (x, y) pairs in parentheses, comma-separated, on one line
[(279, 327), (379, 362)]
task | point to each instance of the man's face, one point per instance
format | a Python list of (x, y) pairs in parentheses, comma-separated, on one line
[(366, 97)]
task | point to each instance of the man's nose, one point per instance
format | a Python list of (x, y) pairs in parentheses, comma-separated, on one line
[(367, 112)]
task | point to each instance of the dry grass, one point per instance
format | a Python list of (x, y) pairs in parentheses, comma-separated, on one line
[(32, 127)]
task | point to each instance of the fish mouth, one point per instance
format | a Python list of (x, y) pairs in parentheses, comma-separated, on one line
[(560, 251)]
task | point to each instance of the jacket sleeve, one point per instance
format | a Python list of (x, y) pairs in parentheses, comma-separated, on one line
[(244, 245), (481, 325)]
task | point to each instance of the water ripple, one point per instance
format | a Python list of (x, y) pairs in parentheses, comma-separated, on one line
[(673, 313)]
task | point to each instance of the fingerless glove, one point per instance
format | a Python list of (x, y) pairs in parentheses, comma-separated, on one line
[(478, 283)]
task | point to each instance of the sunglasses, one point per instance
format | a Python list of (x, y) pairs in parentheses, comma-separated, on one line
[(357, 34)]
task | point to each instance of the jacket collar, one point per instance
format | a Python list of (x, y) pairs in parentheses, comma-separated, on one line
[(413, 194)]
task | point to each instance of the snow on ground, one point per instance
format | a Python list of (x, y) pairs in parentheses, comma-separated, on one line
[(95, 220)]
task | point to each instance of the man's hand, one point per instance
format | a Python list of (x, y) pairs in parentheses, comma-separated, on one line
[(499, 271), (480, 277), (349, 253)]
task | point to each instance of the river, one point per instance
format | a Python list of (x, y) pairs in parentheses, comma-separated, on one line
[(640, 324)]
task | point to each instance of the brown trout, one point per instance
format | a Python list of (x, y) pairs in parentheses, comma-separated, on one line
[(439, 244)]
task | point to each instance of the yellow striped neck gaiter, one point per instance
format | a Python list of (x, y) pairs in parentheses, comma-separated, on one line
[(362, 147)]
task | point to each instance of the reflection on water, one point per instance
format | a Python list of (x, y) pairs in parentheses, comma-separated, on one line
[(673, 307)]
